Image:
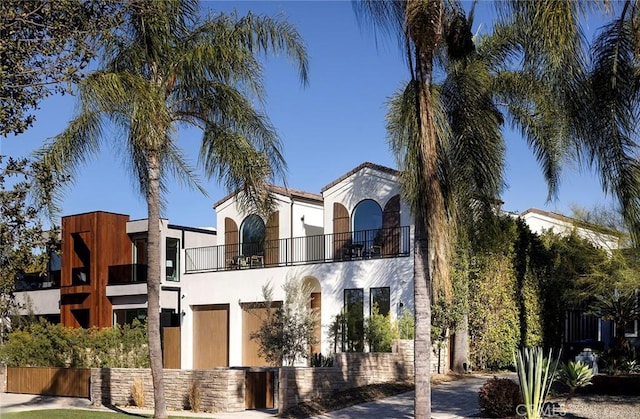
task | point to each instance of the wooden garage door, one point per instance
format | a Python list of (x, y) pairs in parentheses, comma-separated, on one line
[(253, 315), (211, 336)]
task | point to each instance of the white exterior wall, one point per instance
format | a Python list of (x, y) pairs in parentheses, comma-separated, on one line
[(39, 302), (538, 223), (299, 218), (196, 239), (242, 286), (365, 184)]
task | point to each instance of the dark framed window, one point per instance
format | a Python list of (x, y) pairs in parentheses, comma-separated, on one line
[(353, 331), (252, 235), (367, 223), (127, 316), (172, 262), (380, 297)]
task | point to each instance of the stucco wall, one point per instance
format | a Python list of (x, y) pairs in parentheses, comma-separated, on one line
[(222, 390), (242, 286)]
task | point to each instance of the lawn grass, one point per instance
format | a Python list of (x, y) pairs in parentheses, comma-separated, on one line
[(75, 414)]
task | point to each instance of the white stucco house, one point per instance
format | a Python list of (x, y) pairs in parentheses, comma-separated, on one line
[(539, 221), (351, 244)]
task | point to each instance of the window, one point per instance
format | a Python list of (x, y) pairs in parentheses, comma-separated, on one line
[(380, 297), (139, 271), (367, 223), (353, 332), (252, 235), (127, 316), (140, 251), (172, 259)]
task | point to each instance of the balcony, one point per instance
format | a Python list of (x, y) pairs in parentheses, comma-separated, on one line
[(127, 274), (354, 245), (29, 282)]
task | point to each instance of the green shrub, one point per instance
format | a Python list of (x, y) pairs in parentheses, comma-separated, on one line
[(46, 345), (406, 325), (379, 331), (499, 397)]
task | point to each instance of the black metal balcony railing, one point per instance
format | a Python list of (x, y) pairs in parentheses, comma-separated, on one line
[(28, 282), (354, 245), (127, 274)]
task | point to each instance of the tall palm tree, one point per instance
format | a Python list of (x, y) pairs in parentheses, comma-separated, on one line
[(533, 71), (420, 25), (165, 69)]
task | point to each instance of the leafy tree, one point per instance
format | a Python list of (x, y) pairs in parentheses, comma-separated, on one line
[(23, 242), (287, 333), (166, 68), (43, 44), (570, 261)]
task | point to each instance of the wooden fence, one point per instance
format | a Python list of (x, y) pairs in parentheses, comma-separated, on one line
[(71, 382)]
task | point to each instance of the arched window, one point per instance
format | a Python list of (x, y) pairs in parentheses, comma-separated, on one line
[(367, 222), (252, 235)]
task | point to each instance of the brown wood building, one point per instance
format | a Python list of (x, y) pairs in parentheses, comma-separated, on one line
[(90, 244)]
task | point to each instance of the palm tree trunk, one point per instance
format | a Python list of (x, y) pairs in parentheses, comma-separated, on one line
[(424, 25), (422, 336), (153, 286)]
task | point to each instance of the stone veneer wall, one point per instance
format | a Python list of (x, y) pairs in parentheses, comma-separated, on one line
[(351, 369), (221, 390)]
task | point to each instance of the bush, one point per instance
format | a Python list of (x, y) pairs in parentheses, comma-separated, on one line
[(499, 397), (406, 325), (137, 392), (379, 331), (43, 344), (195, 399), (319, 360)]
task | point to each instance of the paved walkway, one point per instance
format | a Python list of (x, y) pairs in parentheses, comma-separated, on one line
[(455, 399)]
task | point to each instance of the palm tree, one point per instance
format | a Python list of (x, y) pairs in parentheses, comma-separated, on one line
[(420, 25), (165, 69), (533, 68)]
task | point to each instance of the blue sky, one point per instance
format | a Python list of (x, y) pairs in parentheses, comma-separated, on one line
[(327, 128)]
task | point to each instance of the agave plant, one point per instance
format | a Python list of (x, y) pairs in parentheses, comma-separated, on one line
[(535, 373), (574, 375)]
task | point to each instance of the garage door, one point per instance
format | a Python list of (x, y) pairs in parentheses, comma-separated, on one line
[(253, 315), (210, 336)]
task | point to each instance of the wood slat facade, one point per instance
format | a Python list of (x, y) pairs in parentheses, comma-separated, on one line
[(211, 336), (171, 347), (91, 243), (68, 382)]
